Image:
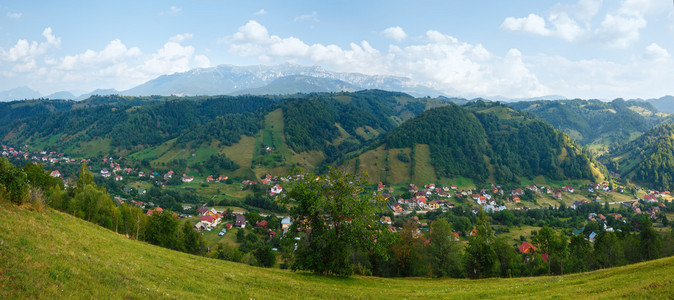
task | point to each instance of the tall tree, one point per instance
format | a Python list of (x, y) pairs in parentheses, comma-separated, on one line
[(480, 260), (339, 218), (445, 250)]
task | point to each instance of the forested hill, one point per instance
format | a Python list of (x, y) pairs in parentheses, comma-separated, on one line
[(263, 132), (490, 141), (647, 159), (595, 123)]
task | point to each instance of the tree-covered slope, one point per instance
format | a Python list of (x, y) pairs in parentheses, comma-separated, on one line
[(649, 158), (593, 122), (492, 141), (156, 129)]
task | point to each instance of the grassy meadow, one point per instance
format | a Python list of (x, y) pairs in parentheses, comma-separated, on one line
[(50, 254)]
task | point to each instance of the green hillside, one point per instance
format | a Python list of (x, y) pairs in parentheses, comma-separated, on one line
[(54, 255), (307, 130), (484, 142), (594, 123), (649, 158)]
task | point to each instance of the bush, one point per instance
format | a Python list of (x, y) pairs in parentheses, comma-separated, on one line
[(13, 182)]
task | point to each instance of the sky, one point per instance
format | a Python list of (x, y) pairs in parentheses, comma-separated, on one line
[(588, 49)]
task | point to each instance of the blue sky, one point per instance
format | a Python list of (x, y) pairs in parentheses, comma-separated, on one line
[(582, 48)]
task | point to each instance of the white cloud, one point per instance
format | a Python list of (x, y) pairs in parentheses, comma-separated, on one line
[(122, 66), (172, 58), (25, 51), (14, 15), (562, 26), (441, 62), (641, 77), (620, 30), (532, 23), (179, 38), (395, 33), (113, 53), (657, 53), (313, 16), (260, 12), (172, 11)]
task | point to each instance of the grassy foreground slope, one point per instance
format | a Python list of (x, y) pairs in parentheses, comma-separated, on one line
[(54, 255)]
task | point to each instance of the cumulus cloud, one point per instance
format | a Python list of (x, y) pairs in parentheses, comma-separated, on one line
[(260, 12), (562, 26), (122, 66), (395, 33), (655, 52), (618, 28), (23, 54), (532, 23), (14, 15), (441, 61)]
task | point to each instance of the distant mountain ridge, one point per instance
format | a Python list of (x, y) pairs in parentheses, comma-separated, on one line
[(231, 80), (19, 93)]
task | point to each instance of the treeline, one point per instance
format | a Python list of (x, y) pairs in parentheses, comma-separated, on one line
[(144, 124), (32, 185), (346, 236)]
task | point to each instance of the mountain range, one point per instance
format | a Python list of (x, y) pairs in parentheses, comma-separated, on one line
[(283, 79)]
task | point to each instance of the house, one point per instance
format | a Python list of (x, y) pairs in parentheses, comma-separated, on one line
[(286, 223), (397, 207), (592, 237), (434, 204), (55, 173), (201, 226), (557, 194), (158, 210), (568, 189), (105, 173), (240, 221), (578, 231), (202, 210), (649, 198), (517, 199), (262, 224), (576, 204), (386, 220), (517, 192), (212, 220), (187, 178), (119, 178), (380, 186), (141, 174), (275, 190), (210, 178), (527, 248)]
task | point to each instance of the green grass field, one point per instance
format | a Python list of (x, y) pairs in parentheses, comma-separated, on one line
[(54, 255), (423, 170)]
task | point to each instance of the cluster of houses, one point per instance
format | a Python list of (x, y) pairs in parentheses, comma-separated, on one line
[(431, 197)]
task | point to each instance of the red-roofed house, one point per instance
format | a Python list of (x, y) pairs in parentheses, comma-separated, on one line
[(527, 248), (55, 173)]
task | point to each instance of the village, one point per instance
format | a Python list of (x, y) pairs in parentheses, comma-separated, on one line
[(410, 205)]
